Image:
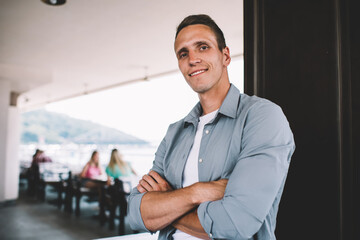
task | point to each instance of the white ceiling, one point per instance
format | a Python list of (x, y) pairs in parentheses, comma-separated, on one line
[(49, 53)]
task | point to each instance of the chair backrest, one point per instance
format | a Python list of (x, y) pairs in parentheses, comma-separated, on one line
[(120, 196), (119, 185)]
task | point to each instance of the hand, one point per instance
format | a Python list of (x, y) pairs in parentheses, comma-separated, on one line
[(209, 191), (190, 224), (153, 182)]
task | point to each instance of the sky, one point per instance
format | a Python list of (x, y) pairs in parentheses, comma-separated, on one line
[(142, 109)]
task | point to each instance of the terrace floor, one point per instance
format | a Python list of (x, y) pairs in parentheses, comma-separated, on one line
[(29, 218)]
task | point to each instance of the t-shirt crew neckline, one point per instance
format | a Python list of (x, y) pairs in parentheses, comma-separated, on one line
[(208, 117)]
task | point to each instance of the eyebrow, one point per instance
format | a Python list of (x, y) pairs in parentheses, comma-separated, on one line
[(197, 44), (184, 49)]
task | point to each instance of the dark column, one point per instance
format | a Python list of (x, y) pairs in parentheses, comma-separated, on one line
[(352, 31), (304, 56)]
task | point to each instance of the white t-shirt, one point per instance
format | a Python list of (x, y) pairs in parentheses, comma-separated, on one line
[(191, 174)]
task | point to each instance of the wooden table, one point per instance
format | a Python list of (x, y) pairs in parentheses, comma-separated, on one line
[(53, 174)]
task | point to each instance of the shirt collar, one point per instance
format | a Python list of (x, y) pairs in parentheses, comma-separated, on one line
[(193, 116), (228, 107)]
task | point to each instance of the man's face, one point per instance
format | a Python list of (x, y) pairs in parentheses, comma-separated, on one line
[(199, 58)]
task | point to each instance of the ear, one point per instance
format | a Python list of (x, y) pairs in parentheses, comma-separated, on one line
[(227, 58)]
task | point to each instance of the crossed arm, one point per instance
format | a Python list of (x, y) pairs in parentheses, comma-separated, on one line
[(162, 206)]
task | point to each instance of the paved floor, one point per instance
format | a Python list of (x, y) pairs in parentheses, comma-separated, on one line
[(29, 218)]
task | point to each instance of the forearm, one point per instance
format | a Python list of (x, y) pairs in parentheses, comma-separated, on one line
[(190, 224), (161, 205), (83, 172), (160, 209)]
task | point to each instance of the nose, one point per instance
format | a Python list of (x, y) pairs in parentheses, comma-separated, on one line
[(193, 58)]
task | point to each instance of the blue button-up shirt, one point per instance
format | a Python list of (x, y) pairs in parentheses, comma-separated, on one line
[(250, 143)]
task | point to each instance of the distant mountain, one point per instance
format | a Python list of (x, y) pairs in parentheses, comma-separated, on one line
[(54, 128)]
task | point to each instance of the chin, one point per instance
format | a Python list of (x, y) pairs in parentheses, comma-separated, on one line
[(200, 89), (198, 86)]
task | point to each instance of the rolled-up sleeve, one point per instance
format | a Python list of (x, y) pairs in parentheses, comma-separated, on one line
[(134, 214), (257, 178), (134, 200)]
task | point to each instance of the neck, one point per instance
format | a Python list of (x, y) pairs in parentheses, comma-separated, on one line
[(212, 100)]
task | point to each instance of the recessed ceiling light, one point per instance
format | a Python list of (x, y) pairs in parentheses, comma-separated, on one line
[(54, 2)]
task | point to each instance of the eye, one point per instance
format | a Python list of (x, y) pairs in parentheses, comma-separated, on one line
[(182, 55), (203, 47)]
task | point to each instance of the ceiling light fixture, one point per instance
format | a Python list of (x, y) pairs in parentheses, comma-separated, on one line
[(54, 2)]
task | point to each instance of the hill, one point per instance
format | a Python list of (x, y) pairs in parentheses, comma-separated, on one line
[(54, 128)]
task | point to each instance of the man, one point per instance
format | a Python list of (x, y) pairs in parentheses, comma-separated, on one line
[(219, 172)]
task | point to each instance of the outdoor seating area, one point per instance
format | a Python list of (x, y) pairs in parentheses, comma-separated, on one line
[(179, 120), (55, 184)]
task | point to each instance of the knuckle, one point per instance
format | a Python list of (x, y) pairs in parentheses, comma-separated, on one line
[(146, 179), (143, 183)]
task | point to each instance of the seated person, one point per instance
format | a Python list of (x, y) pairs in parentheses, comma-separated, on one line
[(91, 170), (117, 167), (39, 157), (33, 172)]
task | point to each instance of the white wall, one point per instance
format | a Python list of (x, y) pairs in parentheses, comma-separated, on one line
[(9, 142), (12, 169)]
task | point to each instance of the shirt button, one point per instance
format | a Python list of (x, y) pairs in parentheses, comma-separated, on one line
[(207, 131), (200, 160), (210, 235)]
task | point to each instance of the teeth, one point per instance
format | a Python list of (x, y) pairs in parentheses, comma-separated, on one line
[(196, 73)]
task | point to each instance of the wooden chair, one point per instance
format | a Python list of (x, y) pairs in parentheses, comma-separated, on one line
[(57, 180), (113, 197), (79, 191), (69, 194)]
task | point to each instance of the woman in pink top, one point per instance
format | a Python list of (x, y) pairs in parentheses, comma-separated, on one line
[(91, 170)]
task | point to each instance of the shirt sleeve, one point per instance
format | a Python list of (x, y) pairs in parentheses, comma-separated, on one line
[(134, 200), (257, 179)]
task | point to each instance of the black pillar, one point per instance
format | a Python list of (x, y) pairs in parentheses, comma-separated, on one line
[(304, 56)]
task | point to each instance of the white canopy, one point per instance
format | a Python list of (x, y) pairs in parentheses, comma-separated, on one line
[(49, 53)]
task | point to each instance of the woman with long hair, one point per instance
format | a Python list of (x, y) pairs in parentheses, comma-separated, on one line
[(91, 170), (117, 167)]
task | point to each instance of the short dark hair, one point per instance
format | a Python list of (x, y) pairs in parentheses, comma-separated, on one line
[(207, 21)]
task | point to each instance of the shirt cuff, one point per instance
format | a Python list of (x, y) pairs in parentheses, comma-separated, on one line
[(135, 220), (205, 219)]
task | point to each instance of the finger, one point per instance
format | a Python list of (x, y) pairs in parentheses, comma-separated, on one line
[(140, 188), (145, 185), (156, 177), (162, 184), (150, 180)]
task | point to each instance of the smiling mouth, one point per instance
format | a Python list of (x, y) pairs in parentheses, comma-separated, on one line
[(197, 72)]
